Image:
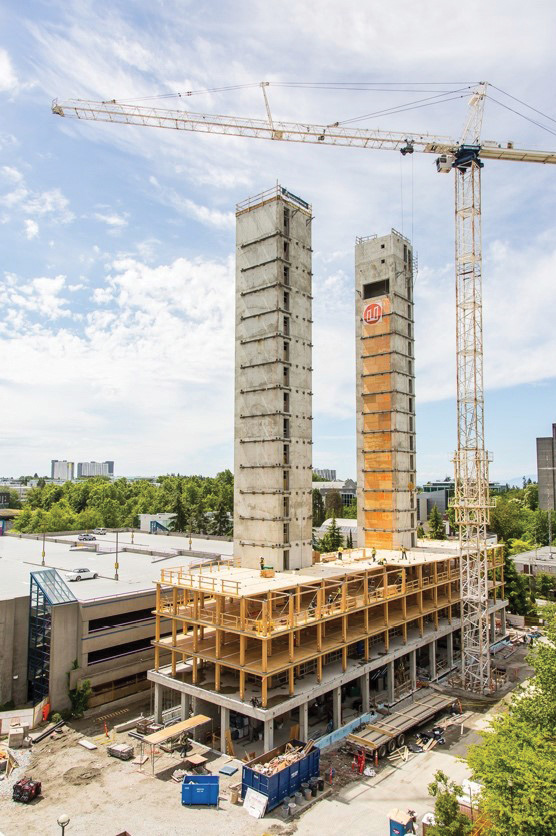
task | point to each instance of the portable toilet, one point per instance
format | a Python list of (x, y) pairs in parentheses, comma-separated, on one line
[(400, 823)]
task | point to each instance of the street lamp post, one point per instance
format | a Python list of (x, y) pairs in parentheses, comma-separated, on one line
[(116, 564), (63, 821)]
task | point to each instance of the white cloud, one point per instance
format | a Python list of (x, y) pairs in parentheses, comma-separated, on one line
[(31, 229), (8, 79), (11, 173), (112, 220), (39, 296)]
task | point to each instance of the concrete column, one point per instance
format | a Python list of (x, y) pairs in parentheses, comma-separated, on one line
[(184, 708), (268, 735), (224, 726), (492, 627), (337, 707), (503, 621), (413, 669), (304, 722), (365, 693), (450, 650), (194, 708), (390, 683), (157, 702), (432, 659)]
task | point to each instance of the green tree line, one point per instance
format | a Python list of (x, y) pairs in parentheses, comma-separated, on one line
[(201, 504)]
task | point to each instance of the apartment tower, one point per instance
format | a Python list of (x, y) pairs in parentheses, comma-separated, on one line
[(386, 500), (272, 472)]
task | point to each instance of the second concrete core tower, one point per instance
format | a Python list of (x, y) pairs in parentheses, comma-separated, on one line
[(272, 472), (386, 501)]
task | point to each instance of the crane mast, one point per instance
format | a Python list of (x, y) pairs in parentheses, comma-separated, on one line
[(464, 157)]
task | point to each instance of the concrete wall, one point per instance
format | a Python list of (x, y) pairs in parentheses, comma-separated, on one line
[(385, 395), (272, 472), (64, 649), (14, 630)]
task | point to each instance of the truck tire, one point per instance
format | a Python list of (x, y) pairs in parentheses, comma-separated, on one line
[(382, 751), (401, 739), (391, 745)]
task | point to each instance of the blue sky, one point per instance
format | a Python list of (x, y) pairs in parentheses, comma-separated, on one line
[(117, 243)]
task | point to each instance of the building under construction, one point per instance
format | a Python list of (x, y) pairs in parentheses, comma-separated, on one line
[(281, 636), (290, 646)]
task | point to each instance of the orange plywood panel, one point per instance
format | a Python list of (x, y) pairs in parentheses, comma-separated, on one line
[(378, 345), (379, 461), (379, 539), (376, 384), (379, 481), (376, 421), (377, 441), (381, 363)]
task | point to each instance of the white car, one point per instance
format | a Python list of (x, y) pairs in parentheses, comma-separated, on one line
[(99, 531), (80, 575)]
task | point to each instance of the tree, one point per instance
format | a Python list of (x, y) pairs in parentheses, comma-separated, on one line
[(516, 761), (517, 590), (221, 525), (179, 520), (420, 532), (318, 508), (332, 539), (333, 504), (198, 520), (349, 542), (545, 585), (436, 524), (449, 821)]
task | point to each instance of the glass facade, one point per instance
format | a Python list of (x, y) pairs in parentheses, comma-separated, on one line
[(47, 591)]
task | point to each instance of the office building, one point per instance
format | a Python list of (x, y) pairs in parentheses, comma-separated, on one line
[(385, 392), (325, 473), (273, 473), (546, 471), (61, 469), (85, 469)]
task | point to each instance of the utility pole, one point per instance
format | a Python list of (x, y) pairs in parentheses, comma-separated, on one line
[(43, 550)]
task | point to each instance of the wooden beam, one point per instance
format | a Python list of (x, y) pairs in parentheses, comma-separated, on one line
[(242, 685), (291, 646), (291, 616), (242, 644), (264, 650), (319, 669), (344, 657), (291, 682), (344, 628), (319, 637), (218, 644), (367, 650), (217, 677), (264, 691), (242, 613), (194, 676)]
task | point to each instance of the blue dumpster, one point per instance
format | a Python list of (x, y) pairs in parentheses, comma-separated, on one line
[(286, 781), (200, 789)]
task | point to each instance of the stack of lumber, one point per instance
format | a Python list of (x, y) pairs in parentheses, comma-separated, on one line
[(291, 755)]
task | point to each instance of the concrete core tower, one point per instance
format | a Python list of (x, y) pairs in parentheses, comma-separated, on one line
[(386, 501), (272, 471)]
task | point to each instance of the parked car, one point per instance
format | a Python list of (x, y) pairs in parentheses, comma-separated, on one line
[(80, 574), (99, 531), (86, 537)]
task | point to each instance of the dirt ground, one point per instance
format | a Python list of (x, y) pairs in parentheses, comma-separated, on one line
[(107, 796)]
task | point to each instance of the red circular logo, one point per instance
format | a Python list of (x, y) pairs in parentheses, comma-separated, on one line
[(372, 313)]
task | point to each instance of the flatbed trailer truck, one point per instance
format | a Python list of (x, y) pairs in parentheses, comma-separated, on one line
[(388, 733)]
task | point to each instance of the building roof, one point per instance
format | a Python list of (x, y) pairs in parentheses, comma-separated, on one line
[(545, 554), (337, 485), (137, 571)]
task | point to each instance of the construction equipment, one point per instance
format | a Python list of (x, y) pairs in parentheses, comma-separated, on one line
[(464, 157), (25, 790)]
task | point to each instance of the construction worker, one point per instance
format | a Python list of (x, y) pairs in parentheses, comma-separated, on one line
[(360, 761), (404, 552), (261, 560), (373, 553)]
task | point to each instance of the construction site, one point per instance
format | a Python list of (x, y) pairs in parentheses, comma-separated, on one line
[(281, 675)]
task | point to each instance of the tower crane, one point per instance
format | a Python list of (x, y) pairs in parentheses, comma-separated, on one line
[(465, 158)]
